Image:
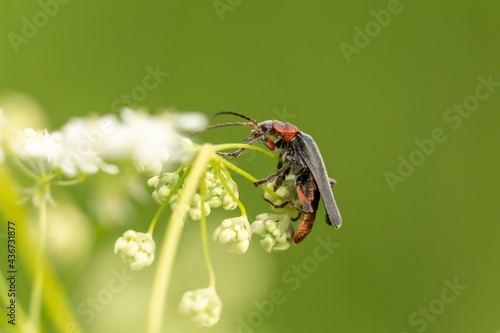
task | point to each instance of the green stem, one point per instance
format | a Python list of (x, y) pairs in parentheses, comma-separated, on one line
[(242, 145), (204, 241), (36, 295), (27, 171), (167, 199), (246, 175), (224, 183), (172, 237), (67, 182)]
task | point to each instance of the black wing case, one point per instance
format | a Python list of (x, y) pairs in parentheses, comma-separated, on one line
[(311, 156)]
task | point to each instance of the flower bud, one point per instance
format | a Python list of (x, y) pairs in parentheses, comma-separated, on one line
[(136, 249), (235, 230), (202, 305), (275, 229)]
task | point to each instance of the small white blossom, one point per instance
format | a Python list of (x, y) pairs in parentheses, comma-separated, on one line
[(235, 230), (136, 249), (195, 210), (37, 145), (81, 139), (148, 140), (202, 305), (275, 230), (163, 185), (217, 195), (188, 121)]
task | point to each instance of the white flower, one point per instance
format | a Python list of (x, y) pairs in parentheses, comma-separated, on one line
[(217, 195), (235, 230), (163, 185), (275, 230), (136, 249), (148, 140), (189, 121), (195, 210), (202, 305), (38, 145), (81, 139)]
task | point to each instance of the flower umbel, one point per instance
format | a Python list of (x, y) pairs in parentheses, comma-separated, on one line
[(137, 249), (216, 194), (202, 305), (235, 230), (275, 229)]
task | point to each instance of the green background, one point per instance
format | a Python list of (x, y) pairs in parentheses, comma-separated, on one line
[(264, 58)]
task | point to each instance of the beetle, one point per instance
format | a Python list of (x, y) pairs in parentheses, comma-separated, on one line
[(300, 155)]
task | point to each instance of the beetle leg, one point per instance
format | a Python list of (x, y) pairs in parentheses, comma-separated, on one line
[(273, 176), (332, 182), (268, 142), (290, 202), (282, 177), (239, 151)]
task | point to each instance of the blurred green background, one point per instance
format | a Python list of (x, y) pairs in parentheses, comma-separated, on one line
[(283, 60)]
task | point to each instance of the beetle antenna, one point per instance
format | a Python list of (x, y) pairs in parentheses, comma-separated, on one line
[(220, 125), (234, 114)]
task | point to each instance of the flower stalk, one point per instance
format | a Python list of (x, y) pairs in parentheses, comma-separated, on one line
[(172, 237), (203, 227), (36, 295)]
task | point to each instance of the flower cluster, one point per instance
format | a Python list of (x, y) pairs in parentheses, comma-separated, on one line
[(216, 194), (137, 249), (236, 231), (86, 145), (82, 145), (202, 305), (275, 229)]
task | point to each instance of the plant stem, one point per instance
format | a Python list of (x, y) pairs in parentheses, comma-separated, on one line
[(171, 239), (226, 187), (246, 175), (204, 241), (167, 199), (36, 295)]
